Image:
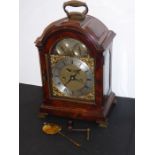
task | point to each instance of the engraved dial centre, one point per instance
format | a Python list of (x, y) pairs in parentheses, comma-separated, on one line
[(73, 77)]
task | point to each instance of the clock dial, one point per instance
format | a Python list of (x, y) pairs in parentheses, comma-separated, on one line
[(73, 77), (80, 49), (71, 47)]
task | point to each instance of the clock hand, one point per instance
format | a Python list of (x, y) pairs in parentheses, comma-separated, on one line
[(79, 80), (73, 77), (77, 71), (64, 77), (69, 70), (68, 81)]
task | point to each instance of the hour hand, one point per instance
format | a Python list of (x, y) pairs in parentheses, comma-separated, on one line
[(78, 70), (69, 70)]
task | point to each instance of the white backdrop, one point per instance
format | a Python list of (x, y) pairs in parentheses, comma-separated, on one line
[(118, 16)]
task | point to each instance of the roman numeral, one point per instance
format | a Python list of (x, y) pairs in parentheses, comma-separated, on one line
[(89, 79), (58, 83), (86, 87)]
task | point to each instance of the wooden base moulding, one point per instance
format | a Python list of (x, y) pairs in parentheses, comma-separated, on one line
[(93, 114)]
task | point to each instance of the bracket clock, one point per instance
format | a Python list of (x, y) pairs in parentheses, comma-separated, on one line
[(75, 59)]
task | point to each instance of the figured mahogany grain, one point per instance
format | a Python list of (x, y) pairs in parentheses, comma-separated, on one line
[(96, 36)]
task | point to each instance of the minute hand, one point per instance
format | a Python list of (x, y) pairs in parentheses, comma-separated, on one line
[(79, 80), (68, 81)]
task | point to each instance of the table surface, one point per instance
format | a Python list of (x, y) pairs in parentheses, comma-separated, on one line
[(117, 139)]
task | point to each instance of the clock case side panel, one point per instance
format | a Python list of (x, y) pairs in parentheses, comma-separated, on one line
[(43, 71), (69, 108), (108, 95)]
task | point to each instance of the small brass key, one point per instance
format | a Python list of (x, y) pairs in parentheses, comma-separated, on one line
[(70, 128)]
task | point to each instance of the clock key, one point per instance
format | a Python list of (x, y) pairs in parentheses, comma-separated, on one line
[(70, 128)]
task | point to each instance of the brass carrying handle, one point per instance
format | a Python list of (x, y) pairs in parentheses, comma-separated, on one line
[(76, 15)]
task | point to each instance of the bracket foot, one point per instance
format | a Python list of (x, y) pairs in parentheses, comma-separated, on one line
[(103, 124)]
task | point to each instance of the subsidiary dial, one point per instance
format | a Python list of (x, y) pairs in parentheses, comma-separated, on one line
[(71, 47)]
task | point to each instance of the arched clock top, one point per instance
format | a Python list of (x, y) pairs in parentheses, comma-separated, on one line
[(91, 29)]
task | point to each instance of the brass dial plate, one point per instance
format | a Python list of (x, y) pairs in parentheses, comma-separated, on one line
[(73, 77)]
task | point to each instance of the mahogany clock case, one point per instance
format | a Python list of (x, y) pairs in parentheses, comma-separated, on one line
[(98, 39)]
